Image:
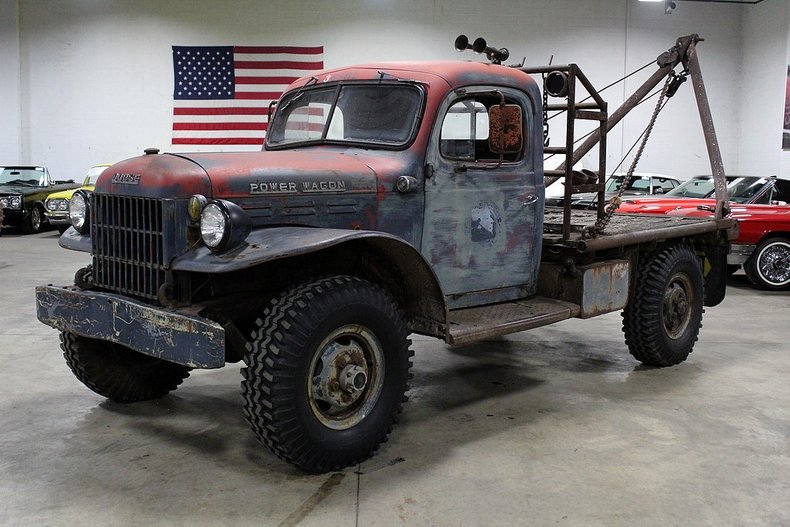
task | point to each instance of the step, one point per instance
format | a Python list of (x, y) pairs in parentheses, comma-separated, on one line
[(476, 323)]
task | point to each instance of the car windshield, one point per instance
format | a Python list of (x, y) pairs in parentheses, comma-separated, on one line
[(739, 189), (93, 176), (26, 176), (382, 114), (637, 184), (743, 189)]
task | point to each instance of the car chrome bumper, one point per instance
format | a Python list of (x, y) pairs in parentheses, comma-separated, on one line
[(166, 334), (739, 253)]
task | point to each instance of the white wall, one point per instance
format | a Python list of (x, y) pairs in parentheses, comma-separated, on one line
[(96, 77), (762, 89), (10, 117)]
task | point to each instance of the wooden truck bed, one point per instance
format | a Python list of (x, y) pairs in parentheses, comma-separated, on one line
[(625, 229)]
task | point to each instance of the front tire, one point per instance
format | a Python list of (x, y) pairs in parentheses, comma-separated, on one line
[(34, 221), (118, 373), (326, 372), (769, 265), (662, 319)]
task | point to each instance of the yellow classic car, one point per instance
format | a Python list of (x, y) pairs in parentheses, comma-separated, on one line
[(57, 203)]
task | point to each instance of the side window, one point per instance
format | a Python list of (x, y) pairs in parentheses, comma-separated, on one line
[(465, 128)]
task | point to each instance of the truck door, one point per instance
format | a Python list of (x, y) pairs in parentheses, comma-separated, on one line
[(483, 215)]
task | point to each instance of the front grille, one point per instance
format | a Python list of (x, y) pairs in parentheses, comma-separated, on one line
[(128, 245)]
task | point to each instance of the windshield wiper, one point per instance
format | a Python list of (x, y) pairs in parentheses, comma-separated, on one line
[(299, 93)]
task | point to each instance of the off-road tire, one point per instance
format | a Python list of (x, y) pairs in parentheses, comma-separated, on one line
[(768, 267), (662, 320), (34, 222), (285, 364), (118, 373)]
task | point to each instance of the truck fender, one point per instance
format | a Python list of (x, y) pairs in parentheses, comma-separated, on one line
[(417, 286)]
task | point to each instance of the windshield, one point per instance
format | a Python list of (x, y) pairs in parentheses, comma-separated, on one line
[(380, 114), (26, 176), (739, 189), (93, 175), (637, 184)]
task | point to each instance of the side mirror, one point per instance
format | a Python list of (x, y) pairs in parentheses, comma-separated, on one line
[(505, 129), (658, 190)]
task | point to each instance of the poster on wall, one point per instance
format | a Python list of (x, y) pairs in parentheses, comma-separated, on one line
[(222, 94), (786, 131)]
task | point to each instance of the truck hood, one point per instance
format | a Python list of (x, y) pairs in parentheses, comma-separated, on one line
[(240, 174), (293, 172)]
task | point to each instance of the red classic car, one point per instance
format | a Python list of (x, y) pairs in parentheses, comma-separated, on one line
[(763, 245), (698, 191)]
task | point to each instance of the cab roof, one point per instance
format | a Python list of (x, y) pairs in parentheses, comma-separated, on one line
[(454, 74)]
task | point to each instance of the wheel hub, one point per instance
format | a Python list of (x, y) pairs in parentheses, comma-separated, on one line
[(676, 307), (775, 264), (347, 374)]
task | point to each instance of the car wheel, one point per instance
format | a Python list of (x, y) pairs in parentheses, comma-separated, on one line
[(34, 221), (664, 314), (769, 265), (118, 373), (326, 372)]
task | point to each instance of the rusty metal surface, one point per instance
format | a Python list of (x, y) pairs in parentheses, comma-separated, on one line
[(706, 118), (482, 222), (476, 323), (597, 288), (165, 334)]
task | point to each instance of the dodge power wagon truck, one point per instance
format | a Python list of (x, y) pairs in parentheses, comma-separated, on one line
[(389, 199)]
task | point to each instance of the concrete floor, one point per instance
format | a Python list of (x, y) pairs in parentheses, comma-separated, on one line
[(558, 426)]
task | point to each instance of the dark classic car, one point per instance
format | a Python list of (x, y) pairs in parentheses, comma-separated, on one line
[(23, 190)]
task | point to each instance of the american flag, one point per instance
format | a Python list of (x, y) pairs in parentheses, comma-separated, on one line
[(221, 94)]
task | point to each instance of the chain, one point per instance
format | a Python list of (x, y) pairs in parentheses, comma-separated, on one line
[(614, 203), (545, 114)]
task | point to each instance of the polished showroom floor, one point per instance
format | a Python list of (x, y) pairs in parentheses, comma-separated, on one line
[(557, 426)]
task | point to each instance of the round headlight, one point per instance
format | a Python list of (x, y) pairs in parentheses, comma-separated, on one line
[(214, 225), (15, 202), (51, 205), (224, 225), (63, 204), (79, 212)]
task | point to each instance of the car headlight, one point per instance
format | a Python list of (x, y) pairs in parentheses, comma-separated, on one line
[(57, 204), (79, 211), (11, 202), (223, 225)]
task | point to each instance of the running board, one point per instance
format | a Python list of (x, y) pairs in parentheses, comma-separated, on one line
[(476, 323)]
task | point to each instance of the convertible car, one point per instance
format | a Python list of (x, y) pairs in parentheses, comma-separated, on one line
[(763, 244), (23, 190), (57, 203), (698, 191), (640, 185)]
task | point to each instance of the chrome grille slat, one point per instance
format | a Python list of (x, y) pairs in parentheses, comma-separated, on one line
[(128, 245)]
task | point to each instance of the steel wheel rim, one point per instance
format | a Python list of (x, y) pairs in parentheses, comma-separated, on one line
[(773, 263), (35, 218), (345, 356), (676, 309)]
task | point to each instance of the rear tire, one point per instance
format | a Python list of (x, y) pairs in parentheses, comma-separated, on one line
[(769, 265), (662, 319), (327, 370), (118, 373)]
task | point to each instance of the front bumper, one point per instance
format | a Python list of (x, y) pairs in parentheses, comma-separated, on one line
[(739, 253), (58, 218), (167, 334)]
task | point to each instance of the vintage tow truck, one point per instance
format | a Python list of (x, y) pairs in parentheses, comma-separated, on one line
[(389, 199)]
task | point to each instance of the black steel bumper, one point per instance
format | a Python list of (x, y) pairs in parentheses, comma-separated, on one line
[(177, 337)]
